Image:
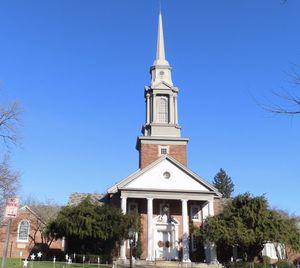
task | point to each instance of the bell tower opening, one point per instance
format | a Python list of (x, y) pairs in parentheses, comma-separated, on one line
[(162, 110)]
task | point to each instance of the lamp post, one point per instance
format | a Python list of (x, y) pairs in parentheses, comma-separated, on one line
[(131, 236)]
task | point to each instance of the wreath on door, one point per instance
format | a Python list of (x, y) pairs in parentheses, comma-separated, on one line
[(168, 244), (160, 243)]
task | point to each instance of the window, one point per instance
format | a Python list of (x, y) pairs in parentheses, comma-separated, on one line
[(163, 150), (166, 175), (23, 231), (132, 207), (164, 209), (162, 110), (195, 213), (194, 242)]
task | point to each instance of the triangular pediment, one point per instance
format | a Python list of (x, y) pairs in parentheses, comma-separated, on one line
[(162, 85), (165, 174)]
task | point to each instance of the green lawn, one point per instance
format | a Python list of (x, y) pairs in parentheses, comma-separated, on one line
[(15, 263)]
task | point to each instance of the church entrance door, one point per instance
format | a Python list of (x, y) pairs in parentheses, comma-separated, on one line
[(165, 238), (164, 245)]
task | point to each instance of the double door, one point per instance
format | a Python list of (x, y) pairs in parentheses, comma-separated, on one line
[(164, 245)]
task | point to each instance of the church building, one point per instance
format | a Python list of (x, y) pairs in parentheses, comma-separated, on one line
[(169, 196)]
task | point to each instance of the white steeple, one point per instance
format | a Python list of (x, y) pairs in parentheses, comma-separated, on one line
[(160, 50), (161, 69), (161, 95)]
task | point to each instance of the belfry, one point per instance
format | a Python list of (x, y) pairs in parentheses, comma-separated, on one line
[(170, 198)]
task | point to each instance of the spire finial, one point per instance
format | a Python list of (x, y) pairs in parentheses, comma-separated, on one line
[(160, 50), (160, 6)]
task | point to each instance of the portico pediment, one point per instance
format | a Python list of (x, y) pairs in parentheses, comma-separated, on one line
[(165, 174)]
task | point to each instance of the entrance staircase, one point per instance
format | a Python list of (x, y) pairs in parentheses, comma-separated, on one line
[(163, 264)]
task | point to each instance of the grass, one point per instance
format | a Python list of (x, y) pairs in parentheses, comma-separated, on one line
[(16, 263)]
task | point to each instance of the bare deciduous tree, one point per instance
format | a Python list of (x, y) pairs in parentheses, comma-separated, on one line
[(9, 179), (9, 119), (45, 211), (9, 182), (286, 101)]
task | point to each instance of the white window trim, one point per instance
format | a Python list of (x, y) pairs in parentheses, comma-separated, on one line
[(28, 232), (199, 213), (163, 147)]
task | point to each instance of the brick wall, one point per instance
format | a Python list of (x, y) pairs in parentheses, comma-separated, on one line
[(150, 152), (15, 247), (218, 207)]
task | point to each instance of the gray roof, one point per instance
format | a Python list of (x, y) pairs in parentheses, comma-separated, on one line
[(76, 198)]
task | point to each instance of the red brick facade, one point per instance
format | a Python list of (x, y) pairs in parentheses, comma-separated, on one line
[(24, 247), (217, 206), (150, 152), (292, 255)]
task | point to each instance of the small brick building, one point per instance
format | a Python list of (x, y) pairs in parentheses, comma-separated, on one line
[(25, 235), (170, 197)]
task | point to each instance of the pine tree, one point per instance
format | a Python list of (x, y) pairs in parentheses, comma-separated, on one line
[(223, 183), (248, 222)]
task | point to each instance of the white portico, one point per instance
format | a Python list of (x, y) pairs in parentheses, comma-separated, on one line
[(170, 186)]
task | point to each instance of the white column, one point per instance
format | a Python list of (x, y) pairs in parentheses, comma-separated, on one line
[(124, 204), (185, 232), (205, 210), (154, 119), (211, 208), (175, 109), (210, 252), (122, 246), (171, 108), (148, 109), (63, 244), (150, 229), (213, 251)]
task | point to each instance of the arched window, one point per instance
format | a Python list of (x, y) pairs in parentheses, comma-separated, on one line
[(162, 109), (23, 230)]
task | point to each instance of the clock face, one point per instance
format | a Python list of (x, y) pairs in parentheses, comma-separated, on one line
[(161, 73)]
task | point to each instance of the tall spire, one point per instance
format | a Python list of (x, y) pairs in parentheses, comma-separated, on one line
[(160, 50), (161, 131)]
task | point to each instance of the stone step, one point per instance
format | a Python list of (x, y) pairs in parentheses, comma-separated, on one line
[(163, 264)]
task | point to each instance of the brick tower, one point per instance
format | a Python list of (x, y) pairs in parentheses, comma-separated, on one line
[(161, 131)]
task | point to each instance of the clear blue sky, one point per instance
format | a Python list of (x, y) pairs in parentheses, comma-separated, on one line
[(80, 67)]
